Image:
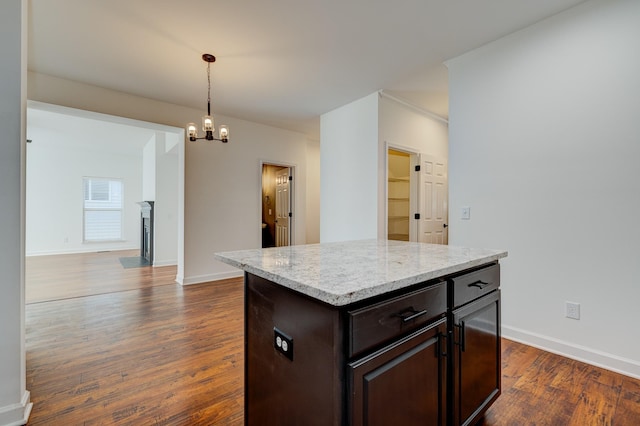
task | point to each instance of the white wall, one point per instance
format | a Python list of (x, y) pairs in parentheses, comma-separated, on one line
[(165, 243), (222, 181), (223, 193), (313, 187), (56, 166), (354, 139), (149, 170), (544, 149), (349, 170), (14, 399), (404, 126)]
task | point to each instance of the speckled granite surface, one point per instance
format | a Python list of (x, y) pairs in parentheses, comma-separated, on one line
[(346, 272)]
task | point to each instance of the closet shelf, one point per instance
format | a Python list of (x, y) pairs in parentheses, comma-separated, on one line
[(396, 218)]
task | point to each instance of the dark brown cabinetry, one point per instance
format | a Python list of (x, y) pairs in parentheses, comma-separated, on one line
[(306, 389), (475, 347), (377, 323), (425, 355), (402, 384)]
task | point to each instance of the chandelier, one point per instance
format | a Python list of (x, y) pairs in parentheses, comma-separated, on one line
[(207, 120)]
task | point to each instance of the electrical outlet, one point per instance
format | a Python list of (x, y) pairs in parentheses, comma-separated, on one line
[(283, 343), (572, 310)]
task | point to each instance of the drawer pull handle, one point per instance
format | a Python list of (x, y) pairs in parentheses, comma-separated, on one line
[(410, 314), (480, 284)]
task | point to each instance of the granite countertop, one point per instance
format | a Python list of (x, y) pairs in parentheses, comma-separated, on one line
[(345, 272)]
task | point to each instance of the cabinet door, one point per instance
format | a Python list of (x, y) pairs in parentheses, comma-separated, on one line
[(476, 358), (403, 383)]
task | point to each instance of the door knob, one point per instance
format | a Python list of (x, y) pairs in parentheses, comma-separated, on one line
[(444, 225)]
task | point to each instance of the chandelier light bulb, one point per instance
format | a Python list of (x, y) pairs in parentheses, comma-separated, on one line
[(224, 133), (207, 124), (192, 131)]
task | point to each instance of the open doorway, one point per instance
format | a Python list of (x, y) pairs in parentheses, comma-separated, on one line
[(398, 195), (417, 202), (277, 206), (70, 181)]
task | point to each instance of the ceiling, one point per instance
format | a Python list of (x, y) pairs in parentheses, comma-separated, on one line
[(280, 62)]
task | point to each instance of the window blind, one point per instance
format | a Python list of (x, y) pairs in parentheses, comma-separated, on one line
[(102, 209)]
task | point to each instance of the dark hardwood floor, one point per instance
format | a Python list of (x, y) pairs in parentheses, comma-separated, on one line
[(541, 388), (162, 355), (76, 275), (171, 355)]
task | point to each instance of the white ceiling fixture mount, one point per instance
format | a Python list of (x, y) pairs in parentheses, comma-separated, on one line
[(207, 120)]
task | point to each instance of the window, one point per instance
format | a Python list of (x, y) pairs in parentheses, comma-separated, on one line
[(102, 209)]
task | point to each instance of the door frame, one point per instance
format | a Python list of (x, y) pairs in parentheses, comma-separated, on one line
[(292, 196), (413, 187), (179, 132)]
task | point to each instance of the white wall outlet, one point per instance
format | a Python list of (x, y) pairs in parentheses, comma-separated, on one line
[(465, 213), (572, 310), (283, 343)]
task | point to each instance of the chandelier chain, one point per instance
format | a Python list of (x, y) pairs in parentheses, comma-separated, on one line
[(209, 82)]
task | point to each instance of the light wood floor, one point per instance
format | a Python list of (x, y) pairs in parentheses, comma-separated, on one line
[(172, 355)]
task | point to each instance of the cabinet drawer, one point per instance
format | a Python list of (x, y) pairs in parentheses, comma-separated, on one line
[(378, 323), (475, 284)]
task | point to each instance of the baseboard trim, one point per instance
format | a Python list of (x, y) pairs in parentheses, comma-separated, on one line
[(180, 279), (199, 279), (17, 414), (78, 251), (164, 263), (605, 360)]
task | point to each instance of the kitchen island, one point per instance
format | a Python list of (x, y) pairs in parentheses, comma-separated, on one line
[(370, 332)]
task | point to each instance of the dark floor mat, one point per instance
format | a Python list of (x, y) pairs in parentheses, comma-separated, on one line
[(134, 262)]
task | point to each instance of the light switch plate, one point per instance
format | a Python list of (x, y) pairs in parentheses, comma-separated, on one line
[(465, 213)]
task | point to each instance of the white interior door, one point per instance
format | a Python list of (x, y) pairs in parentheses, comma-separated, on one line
[(283, 207), (433, 200)]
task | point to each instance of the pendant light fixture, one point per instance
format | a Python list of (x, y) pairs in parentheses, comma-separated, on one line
[(207, 120)]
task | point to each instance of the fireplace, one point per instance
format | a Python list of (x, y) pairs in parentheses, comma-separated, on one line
[(146, 230)]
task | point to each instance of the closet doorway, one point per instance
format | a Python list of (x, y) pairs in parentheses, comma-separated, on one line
[(399, 203), (417, 201), (277, 205)]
